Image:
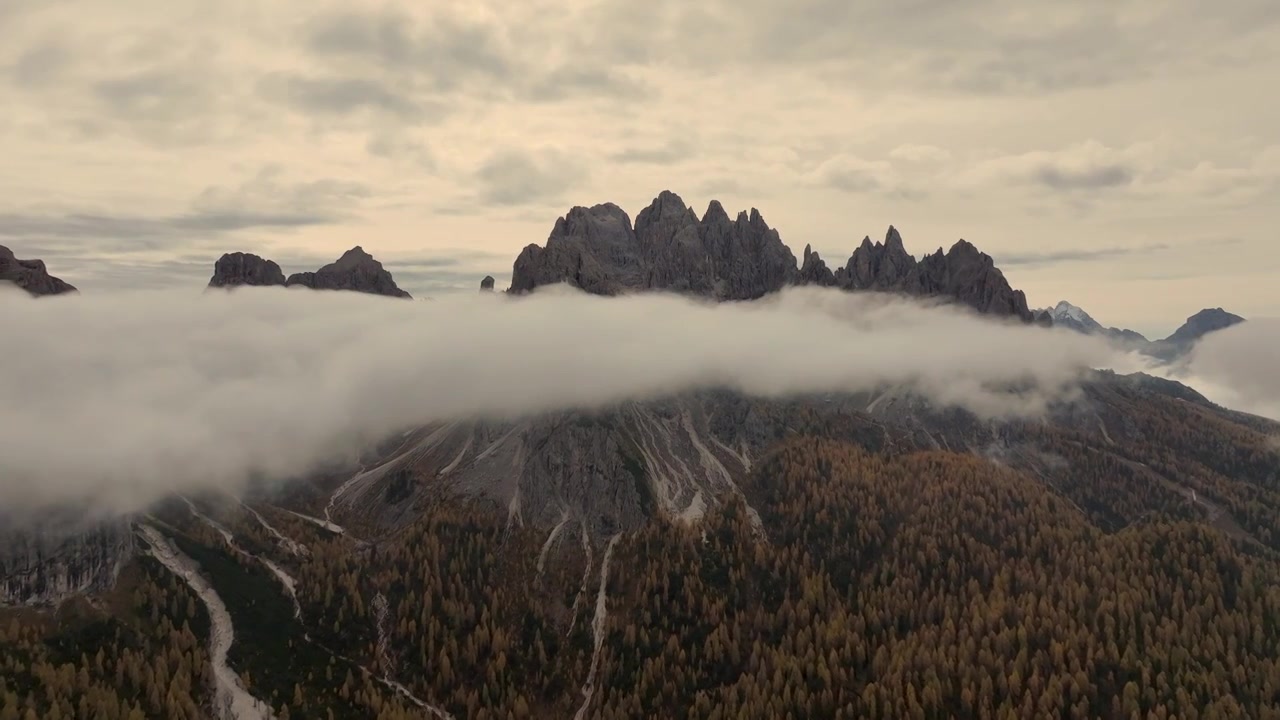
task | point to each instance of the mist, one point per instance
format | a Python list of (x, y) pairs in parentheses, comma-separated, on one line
[(1238, 367), (120, 399)]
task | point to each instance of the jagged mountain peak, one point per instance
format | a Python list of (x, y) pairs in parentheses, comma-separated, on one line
[(597, 250), (893, 239), (1064, 313), (669, 248)]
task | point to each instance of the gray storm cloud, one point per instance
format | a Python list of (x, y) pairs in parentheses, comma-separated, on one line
[(1239, 367), (120, 399)]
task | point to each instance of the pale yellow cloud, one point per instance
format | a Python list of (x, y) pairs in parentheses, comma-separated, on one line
[(474, 123)]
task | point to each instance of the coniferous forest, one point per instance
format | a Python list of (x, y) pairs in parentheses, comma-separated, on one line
[(862, 584)]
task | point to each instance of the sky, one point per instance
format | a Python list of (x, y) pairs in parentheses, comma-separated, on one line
[(1119, 154)]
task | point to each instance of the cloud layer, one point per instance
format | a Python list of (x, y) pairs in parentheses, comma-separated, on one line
[(124, 398), (1239, 367)]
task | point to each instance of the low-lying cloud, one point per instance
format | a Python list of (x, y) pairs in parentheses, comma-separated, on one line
[(120, 399), (1239, 367)]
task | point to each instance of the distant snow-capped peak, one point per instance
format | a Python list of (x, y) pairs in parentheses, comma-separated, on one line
[(1066, 311)]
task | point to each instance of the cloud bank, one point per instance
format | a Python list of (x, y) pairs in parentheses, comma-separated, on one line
[(1239, 367), (122, 398)]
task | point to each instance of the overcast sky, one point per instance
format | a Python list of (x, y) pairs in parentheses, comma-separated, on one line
[(1122, 154)]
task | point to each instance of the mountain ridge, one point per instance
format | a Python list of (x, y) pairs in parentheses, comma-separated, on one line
[(671, 249), (1177, 344), (354, 270)]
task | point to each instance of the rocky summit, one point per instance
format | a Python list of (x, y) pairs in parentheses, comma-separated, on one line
[(1203, 323), (1209, 320), (355, 270), (963, 274), (598, 250), (670, 248), (30, 275), (238, 268)]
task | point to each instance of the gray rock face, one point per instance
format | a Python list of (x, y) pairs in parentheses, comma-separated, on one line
[(45, 564), (671, 249), (356, 270), (30, 275), (963, 274), (235, 269), (486, 285), (599, 472), (597, 249), (616, 468)]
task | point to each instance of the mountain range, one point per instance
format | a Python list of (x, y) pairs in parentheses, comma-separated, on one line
[(701, 555), (1209, 320)]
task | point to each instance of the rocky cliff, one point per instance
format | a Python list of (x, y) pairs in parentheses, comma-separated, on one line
[(30, 275), (46, 563), (235, 269)]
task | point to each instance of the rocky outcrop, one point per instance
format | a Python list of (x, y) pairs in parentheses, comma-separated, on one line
[(813, 271), (963, 274), (356, 270), (238, 268), (884, 267), (44, 563), (30, 275), (669, 248), (486, 285)]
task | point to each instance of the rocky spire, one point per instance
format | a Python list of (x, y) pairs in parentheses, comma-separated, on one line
[(486, 285), (30, 275), (886, 266), (813, 271), (971, 277)]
